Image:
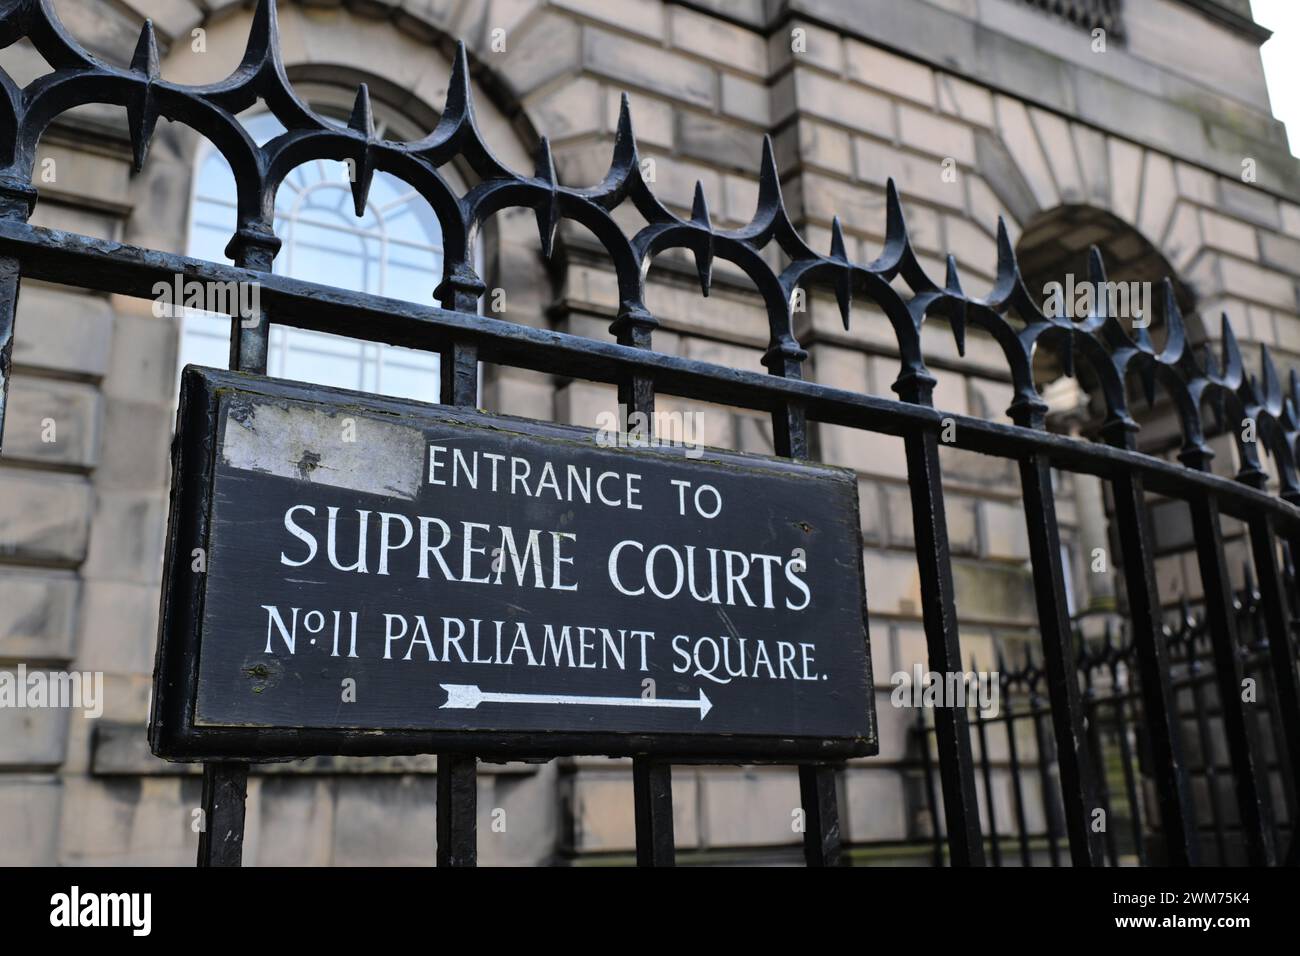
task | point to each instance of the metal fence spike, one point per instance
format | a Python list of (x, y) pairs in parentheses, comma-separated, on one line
[(548, 209), (145, 59), (141, 110), (843, 280)]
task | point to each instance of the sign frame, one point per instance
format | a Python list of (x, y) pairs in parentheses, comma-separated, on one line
[(175, 735)]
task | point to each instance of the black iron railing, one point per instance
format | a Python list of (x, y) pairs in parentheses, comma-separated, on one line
[(1022, 816), (1010, 314)]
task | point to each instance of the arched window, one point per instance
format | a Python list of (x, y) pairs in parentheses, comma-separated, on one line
[(394, 250)]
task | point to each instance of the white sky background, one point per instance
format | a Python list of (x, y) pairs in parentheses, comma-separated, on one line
[(1282, 61)]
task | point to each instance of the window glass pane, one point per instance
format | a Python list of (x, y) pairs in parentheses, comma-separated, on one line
[(413, 381), (394, 250), (207, 339)]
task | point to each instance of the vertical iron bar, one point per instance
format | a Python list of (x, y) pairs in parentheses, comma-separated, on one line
[(252, 248), (1092, 714), (652, 784), (817, 782), (939, 613), (1206, 743), (457, 810), (1260, 662), (1078, 777), (1126, 760), (986, 772), (458, 369), (817, 793), (790, 428), (1017, 789), (652, 779), (1276, 734), (1286, 686), (638, 395), (1177, 815), (1289, 589), (457, 813), (17, 199), (9, 280), (225, 787), (1250, 777), (225, 783), (927, 774), (1050, 823)]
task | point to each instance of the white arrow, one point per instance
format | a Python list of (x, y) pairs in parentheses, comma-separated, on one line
[(468, 696)]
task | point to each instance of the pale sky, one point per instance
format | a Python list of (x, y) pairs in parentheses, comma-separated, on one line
[(1282, 61)]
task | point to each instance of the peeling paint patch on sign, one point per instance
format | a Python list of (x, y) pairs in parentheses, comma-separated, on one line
[(334, 448)]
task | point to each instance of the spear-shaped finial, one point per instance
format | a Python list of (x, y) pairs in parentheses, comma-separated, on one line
[(362, 119), (844, 272), (459, 101), (363, 172), (1175, 330), (704, 245), (1096, 266), (263, 37), (895, 222), (770, 202), (1272, 385), (145, 59), (1232, 362), (548, 210), (957, 318), (142, 114), (1007, 266), (1218, 401), (625, 150), (457, 110)]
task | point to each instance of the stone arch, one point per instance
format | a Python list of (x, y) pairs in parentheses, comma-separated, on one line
[(1054, 243), (1035, 161)]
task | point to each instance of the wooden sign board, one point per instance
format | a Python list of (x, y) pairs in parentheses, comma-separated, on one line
[(350, 574)]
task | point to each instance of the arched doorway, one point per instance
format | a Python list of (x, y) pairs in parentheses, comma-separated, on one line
[(1054, 249)]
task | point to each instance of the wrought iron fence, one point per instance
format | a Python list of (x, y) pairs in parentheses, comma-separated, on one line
[(1009, 314), (1021, 809)]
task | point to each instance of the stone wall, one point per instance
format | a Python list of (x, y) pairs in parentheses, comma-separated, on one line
[(975, 109)]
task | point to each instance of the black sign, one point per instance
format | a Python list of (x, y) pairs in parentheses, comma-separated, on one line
[(353, 574)]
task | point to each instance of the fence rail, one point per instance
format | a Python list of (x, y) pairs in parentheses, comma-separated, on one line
[(1009, 314), (1015, 752)]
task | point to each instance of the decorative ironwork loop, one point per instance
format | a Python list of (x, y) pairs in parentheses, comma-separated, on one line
[(1193, 379)]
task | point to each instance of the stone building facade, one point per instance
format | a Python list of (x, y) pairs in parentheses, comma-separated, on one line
[(1152, 139)]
